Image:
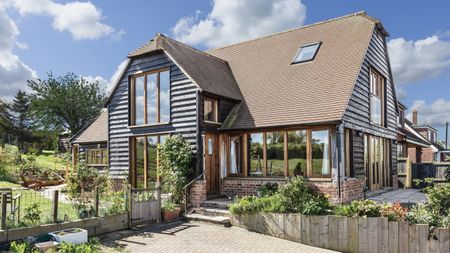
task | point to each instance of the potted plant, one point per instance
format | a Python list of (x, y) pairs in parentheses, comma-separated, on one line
[(175, 170), (170, 210), (72, 235)]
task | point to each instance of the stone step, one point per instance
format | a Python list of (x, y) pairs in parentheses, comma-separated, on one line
[(222, 203), (219, 220), (211, 211)]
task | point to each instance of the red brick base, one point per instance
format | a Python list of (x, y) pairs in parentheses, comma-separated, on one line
[(197, 193)]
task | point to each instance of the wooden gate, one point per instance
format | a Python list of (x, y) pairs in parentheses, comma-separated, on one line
[(145, 206)]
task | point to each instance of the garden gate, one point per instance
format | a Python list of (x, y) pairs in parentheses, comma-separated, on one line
[(144, 206)]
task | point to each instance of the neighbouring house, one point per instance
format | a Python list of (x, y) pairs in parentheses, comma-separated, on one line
[(89, 145), (316, 101), (64, 141), (427, 133)]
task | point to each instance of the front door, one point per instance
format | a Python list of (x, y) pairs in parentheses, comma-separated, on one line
[(212, 169)]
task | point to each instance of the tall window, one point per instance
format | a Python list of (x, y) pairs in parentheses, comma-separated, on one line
[(377, 84), (150, 98), (236, 155), (275, 153), (377, 162), (320, 153), (256, 154), (145, 160), (297, 159), (210, 110)]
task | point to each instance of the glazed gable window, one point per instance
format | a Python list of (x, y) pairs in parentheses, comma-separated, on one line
[(96, 157), (377, 84), (150, 98), (210, 110)]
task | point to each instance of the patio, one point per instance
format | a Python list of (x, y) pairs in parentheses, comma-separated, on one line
[(402, 196)]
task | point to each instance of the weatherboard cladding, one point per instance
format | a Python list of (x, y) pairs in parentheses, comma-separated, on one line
[(82, 152), (183, 96)]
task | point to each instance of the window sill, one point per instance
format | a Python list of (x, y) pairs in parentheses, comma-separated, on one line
[(97, 165), (260, 178), (149, 125), (212, 122)]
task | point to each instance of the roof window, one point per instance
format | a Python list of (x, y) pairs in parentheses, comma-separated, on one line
[(307, 52)]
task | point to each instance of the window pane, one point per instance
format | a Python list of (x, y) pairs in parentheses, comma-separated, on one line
[(139, 163), (139, 102), (297, 153), (151, 160), (275, 153), (105, 156), (235, 155), (151, 98), (375, 109), (209, 110), (256, 154), (320, 153), (306, 53), (164, 96)]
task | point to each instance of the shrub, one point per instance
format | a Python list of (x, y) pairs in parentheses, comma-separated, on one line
[(421, 214), (22, 247), (253, 205), (359, 208), (175, 166), (90, 247), (394, 212), (32, 216), (168, 205), (439, 198), (267, 189)]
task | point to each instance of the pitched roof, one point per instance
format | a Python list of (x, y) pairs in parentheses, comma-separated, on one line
[(277, 92), (95, 131), (211, 74)]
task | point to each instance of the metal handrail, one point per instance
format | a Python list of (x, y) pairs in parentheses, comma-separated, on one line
[(185, 190)]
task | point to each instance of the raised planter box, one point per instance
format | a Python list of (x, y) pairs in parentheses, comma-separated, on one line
[(72, 235)]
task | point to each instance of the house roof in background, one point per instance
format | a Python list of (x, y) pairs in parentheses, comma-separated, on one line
[(95, 131), (277, 92), (211, 74)]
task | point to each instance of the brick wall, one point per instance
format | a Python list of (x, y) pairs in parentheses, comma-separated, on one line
[(427, 155), (351, 189), (197, 193)]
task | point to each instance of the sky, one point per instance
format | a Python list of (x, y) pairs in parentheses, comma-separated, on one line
[(93, 38)]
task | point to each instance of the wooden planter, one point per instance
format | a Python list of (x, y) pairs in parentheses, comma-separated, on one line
[(171, 215)]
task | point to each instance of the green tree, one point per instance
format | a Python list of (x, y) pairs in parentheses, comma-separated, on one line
[(19, 111), (5, 122), (69, 101)]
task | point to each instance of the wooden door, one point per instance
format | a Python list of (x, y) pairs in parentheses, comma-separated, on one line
[(212, 168), (375, 163)]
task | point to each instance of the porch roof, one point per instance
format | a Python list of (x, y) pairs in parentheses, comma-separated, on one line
[(93, 132)]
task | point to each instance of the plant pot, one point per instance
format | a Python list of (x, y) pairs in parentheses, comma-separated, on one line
[(72, 235), (171, 215)]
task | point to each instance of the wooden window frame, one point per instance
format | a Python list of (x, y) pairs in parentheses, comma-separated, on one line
[(102, 151), (309, 174), (241, 155), (215, 104), (132, 98), (132, 149), (382, 96)]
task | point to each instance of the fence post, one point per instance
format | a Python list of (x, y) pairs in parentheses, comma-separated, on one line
[(96, 200), (3, 221), (158, 196), (129, 204), (55, 205)]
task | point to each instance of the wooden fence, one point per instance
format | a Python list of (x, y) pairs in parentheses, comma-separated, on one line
[(144, 206), (408, 172), (346, 234)]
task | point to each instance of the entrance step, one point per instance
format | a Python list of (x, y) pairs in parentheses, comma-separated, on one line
[(211, 211), (219, 220), (221, 203)]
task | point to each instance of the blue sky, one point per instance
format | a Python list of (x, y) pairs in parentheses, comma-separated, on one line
[(92, 38)]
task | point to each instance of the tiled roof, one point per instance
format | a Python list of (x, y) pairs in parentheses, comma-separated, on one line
[(96, 131)]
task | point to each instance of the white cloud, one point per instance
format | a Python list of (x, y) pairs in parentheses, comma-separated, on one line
[(413, 61), (83, 20), (232, 21), (21, 45), (13, 72), (435, 114)]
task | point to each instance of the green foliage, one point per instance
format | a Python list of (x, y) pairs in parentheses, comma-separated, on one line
[(69, 101), (32, 216), (22, 247), (90, 247), (439, 198), (30, 171), (394, 212), (168, 205), (421, 214), (267, 189), (360, 208), (447, 174), (175, 166), (292, 197)]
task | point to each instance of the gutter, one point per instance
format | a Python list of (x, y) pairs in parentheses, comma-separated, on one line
[(338, 145)]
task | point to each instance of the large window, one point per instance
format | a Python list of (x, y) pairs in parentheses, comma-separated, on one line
[(145, 160), (297, 159), (320, 142), (275, 153), (150, 98), (210, 110), (377, 84), (377, 162), (236, 155), (96, 157), (256, 141)]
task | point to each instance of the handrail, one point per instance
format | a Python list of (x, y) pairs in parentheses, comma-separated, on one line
[(185, 190)]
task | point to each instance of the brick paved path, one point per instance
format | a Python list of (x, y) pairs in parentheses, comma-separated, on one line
[(182, 237), (402, 196)]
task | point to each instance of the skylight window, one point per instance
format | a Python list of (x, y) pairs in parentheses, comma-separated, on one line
[(307, 52)]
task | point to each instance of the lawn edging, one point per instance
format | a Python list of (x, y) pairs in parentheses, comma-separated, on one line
[(347, 234), (95, 226)]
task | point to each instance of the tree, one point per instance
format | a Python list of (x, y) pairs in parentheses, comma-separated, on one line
[(20, 110), (69, 101), (5, 123)]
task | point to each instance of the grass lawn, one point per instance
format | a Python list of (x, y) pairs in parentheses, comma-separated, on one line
[(45, 201), (48, 159)]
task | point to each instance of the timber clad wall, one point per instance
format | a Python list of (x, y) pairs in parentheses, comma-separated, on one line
[(82, 150), (357, 115), (183, 115)]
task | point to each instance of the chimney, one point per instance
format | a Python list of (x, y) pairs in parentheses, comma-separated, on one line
[(414, 117)]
